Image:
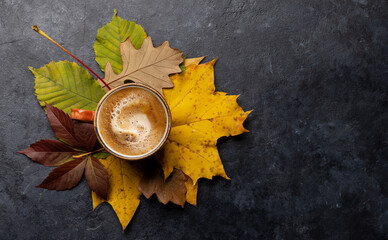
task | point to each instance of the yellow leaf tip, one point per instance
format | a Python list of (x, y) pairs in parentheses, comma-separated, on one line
[(246, 130), (192, 204), (225, 176), (248, 112), (114, 12), (35, 28)]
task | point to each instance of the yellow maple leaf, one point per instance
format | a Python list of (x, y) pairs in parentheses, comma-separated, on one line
[(199, 117), (123, 195)]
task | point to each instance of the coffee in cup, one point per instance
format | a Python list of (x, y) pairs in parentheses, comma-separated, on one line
[(132, 121)]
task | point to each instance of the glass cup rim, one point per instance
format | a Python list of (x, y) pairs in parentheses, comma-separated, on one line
[(158, 95)]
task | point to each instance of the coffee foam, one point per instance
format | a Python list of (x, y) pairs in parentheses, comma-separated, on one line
[(132, 121)]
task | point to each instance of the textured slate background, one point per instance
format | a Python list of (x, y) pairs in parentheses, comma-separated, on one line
[(314, 165)]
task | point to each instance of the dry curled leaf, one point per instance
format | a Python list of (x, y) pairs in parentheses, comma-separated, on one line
[(148, 65), (199, 117), (172, 189)]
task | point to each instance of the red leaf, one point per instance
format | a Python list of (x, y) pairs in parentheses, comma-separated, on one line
[(61, 124), (65, 176), (49, 152), (97, 177), (85, 134), (173, 189), (76, 134)]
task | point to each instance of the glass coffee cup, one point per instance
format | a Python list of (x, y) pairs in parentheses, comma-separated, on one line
[(132, 121)]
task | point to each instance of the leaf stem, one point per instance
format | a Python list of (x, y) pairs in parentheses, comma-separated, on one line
[(88, 153), (36, 29)]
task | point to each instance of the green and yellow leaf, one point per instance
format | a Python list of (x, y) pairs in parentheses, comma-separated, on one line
[(66, 85), (109, 37)]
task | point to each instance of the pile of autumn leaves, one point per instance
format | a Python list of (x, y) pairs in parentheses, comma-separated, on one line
[(200, 116)]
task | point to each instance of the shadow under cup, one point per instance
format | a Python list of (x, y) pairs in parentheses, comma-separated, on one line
[(122, 128)]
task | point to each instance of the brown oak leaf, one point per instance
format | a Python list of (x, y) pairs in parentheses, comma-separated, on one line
[(172, 189), (148, 65)]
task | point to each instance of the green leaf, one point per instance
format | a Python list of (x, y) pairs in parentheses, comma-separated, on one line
[(101, 155), (66, 85), (182, 65), (109, 37)]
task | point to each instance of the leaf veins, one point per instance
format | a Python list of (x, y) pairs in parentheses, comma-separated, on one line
[(49, 152), (148, 65), (65, 176), (78, 135), (97, 176)]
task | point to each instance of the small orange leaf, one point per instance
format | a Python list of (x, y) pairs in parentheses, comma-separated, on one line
[(82, 115)]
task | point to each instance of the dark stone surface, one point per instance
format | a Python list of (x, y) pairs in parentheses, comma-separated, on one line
[(314, 165)]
